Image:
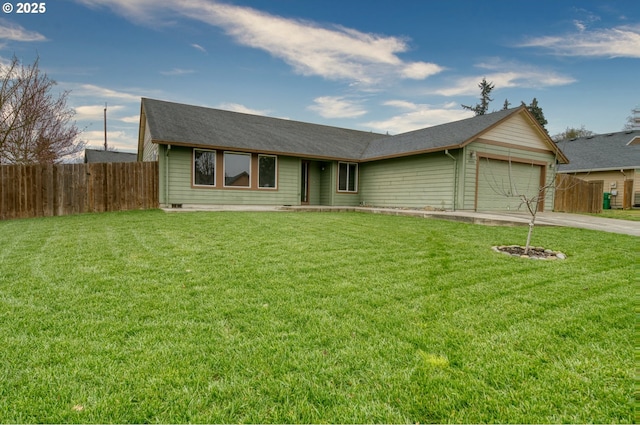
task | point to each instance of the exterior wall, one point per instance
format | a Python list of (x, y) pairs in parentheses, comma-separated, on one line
[(611, 179), (487, 149), (516, 129), (349, 199), (419, 181), (150, 150), (326, 186), (176, 186), (314, 183)]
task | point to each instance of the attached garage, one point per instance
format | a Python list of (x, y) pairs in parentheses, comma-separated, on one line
[(500, 182)]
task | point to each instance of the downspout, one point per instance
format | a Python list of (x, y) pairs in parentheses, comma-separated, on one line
[(455, 177), (166, 177)]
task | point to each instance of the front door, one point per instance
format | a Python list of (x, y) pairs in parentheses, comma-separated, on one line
[(304, 181)]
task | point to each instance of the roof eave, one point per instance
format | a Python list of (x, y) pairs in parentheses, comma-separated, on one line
[(411, 153), (259, 151)]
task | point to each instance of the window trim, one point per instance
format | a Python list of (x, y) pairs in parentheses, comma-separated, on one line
[(357, 168), (224, 169), (275, 171), (193, 167)]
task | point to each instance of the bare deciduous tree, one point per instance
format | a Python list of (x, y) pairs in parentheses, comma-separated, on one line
[(35, 125), (572, 133)]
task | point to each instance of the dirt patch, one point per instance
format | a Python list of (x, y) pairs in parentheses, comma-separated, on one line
[(535, 253)]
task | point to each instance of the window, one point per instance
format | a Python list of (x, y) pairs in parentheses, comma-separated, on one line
[(204, 167), (237, 169), (267, 171), (347, 177)]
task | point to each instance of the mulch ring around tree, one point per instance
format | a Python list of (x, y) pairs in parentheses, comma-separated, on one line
[(535, 253)]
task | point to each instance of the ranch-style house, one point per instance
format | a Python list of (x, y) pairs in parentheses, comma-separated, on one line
[(215, 157)]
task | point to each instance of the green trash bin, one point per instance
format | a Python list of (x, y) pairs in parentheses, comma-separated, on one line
[(606, 201)]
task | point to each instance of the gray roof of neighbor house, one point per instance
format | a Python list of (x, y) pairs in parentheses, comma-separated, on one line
[(188, 125), (95, 155), (612, 151)]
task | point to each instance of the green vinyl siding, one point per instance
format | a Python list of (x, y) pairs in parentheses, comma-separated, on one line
[(327, 187), (315, 173), (176, 188), (470, 170), (419, 181), (325, 183), (500, 184)]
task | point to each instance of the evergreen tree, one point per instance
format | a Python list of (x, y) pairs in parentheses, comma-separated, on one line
[(482, 107), (537, 113)]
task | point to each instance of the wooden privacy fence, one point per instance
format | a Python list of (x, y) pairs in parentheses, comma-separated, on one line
[(576, 195), (62, 189)]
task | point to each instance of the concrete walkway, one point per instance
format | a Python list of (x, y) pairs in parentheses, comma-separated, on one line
[(581, 221)]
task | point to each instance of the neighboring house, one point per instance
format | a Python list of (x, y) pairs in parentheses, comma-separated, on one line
[(96, 155), (211, 156), (613, 158)]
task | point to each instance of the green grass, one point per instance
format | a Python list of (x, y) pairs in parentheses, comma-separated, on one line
[(633, 215), (311, 317)]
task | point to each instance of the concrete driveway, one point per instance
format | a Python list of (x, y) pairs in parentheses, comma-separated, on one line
[(626, 227), (581, 221)]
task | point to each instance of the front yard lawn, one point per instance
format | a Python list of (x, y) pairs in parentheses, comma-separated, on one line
[(311, 317)]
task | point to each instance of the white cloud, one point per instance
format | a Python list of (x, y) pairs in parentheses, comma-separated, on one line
[(94, 112), (622, 41), (402, 104), (420, 70), (119, 140), (14, 32), (336, 107), (236, 107), (505, 75), (199, 47), (177, 72), (331, 52), (417, 116), (103, 93), (133, 119)]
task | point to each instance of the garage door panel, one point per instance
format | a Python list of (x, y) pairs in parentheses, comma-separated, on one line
[(501, 182)]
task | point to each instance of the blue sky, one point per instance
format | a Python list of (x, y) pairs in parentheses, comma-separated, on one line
[(382, 66)]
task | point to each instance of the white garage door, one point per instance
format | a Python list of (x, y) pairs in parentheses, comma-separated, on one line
[(500, 182)]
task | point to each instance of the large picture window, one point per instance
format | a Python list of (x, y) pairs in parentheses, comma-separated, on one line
[(204, 167), (347, 177), (267, 171), (237, 169)]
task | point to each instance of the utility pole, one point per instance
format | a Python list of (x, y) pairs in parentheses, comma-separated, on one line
[(105, 126)]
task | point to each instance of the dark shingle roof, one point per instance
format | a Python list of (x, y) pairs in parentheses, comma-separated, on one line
[(199, 126), (180, 124), (439, 137), (601, 152), (95, 155)]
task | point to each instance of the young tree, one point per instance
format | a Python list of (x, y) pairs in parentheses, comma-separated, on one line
[(485, 91), (530, 193), (506, 104), (35, 125)]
